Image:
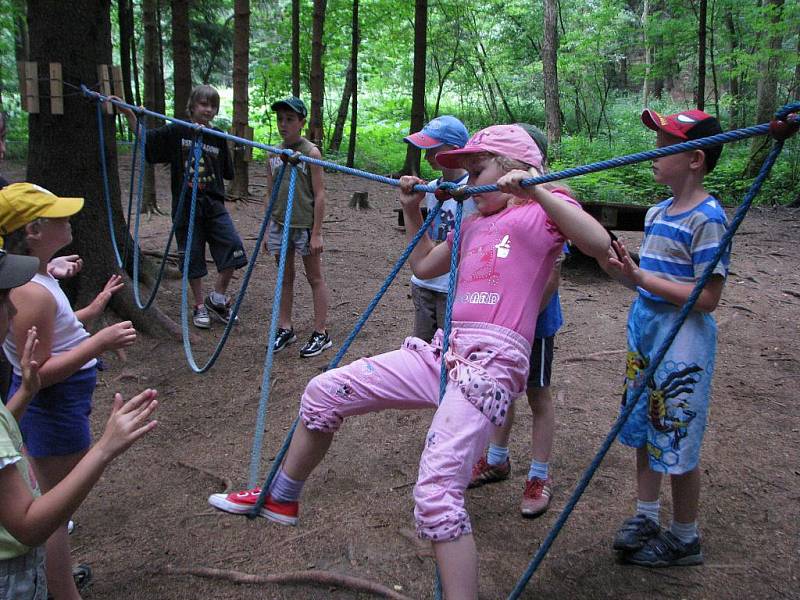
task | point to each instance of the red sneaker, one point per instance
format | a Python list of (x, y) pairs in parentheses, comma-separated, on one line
[(536, 497), (483, 472), (240, 503)]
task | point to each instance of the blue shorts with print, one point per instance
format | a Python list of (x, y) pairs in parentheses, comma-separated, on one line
[(670, 416), (56, 422)]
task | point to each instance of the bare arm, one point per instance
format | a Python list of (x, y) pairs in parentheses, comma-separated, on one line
[(427, 259), (572, 221), (31, 520), (552, 283), (36, 307), (318, 184), (627, 270)]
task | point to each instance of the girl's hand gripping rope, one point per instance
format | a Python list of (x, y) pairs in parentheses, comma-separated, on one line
[(409, 199), (510, 183)]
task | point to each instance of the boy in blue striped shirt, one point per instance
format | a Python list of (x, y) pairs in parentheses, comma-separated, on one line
[(666, 427)]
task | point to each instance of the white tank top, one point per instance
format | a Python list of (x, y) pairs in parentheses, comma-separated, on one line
[(68, 331)]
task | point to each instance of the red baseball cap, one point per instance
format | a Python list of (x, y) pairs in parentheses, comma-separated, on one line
[(687, 125), (503, 140)]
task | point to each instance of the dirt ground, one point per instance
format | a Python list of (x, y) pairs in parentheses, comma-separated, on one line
[(149, 510)]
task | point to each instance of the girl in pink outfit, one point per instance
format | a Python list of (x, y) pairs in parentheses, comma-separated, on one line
[(507, 252)]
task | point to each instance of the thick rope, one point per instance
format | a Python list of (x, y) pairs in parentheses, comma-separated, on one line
[(106, 187), (258, 437), (187, 345), (262, 498), (648, 374)]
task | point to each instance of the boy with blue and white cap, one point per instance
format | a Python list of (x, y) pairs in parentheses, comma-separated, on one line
[(430, 295)]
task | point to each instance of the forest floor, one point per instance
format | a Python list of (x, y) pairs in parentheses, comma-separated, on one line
[(149, 511)]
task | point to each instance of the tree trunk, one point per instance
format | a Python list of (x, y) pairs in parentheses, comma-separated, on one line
[(317, 83), (63, 150), (411, 166), (767, 87), (296, 48), (181, 57), (151, 67), (241, 94), (344, 107), (125, 21), (648, 54), (355, 43), (702, 30), (734, 78), (161, 89), (134, 55), (552, 104)]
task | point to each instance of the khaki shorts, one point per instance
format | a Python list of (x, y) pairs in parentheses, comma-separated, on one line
[(299, 239)]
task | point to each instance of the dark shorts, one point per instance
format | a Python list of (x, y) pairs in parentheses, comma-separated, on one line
[(57, 420), (429, 311), (541, 362), (213, 226)]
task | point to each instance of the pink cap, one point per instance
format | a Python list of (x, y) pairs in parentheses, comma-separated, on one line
[(503, 140)]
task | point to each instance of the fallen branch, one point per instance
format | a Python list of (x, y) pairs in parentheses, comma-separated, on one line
[(225, 481), (595, 356), (321, 578)]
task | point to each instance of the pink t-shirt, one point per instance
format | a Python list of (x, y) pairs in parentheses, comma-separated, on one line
[(505, 261)]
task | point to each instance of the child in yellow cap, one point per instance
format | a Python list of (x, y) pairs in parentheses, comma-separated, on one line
[(55, 425)]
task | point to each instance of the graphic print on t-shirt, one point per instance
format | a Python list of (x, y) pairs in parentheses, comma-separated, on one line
[(205, 172)]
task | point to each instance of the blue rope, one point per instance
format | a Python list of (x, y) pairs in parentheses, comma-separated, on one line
[(451, 288), (262, 498), (178, 211), (258, 438), (187, 345), (648, 374), (131, 192), (106, 188)]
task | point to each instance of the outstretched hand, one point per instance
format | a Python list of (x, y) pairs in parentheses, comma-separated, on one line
[(114, 284), (31, 382), (64, 267), (622, 266), (128, 422)]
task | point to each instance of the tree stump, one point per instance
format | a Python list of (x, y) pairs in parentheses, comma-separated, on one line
[(360, 200)]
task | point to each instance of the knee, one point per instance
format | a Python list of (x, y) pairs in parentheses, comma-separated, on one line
[(318, 403)]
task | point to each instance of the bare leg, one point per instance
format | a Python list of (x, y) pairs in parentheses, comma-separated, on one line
[(197, 290), (686, 496), (306, 451), (458, 568), (287, 290), (319, 290), (223, 280), (544, 423), (49, 471), (501, 434), (648, 482)]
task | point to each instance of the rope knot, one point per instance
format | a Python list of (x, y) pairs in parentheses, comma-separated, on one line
[(293, 158), (783, 129), (447, 190)]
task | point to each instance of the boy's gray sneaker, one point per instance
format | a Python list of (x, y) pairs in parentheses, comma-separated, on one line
[(220, 311), (634, 533), (200, 317), (316, 344), (665, 550), (283, 338)]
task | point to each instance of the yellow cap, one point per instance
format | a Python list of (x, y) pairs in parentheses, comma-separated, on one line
[(21, 203)]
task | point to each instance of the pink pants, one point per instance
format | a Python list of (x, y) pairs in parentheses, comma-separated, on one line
[(487, 368)]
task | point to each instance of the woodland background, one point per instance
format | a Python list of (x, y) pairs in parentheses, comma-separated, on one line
[(373, 70)]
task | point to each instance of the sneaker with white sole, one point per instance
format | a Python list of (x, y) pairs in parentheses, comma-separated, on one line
[(666, 550), (200, 317), (316, 344), (240, 503), (284, 337), (536, 497), (222, 311)]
